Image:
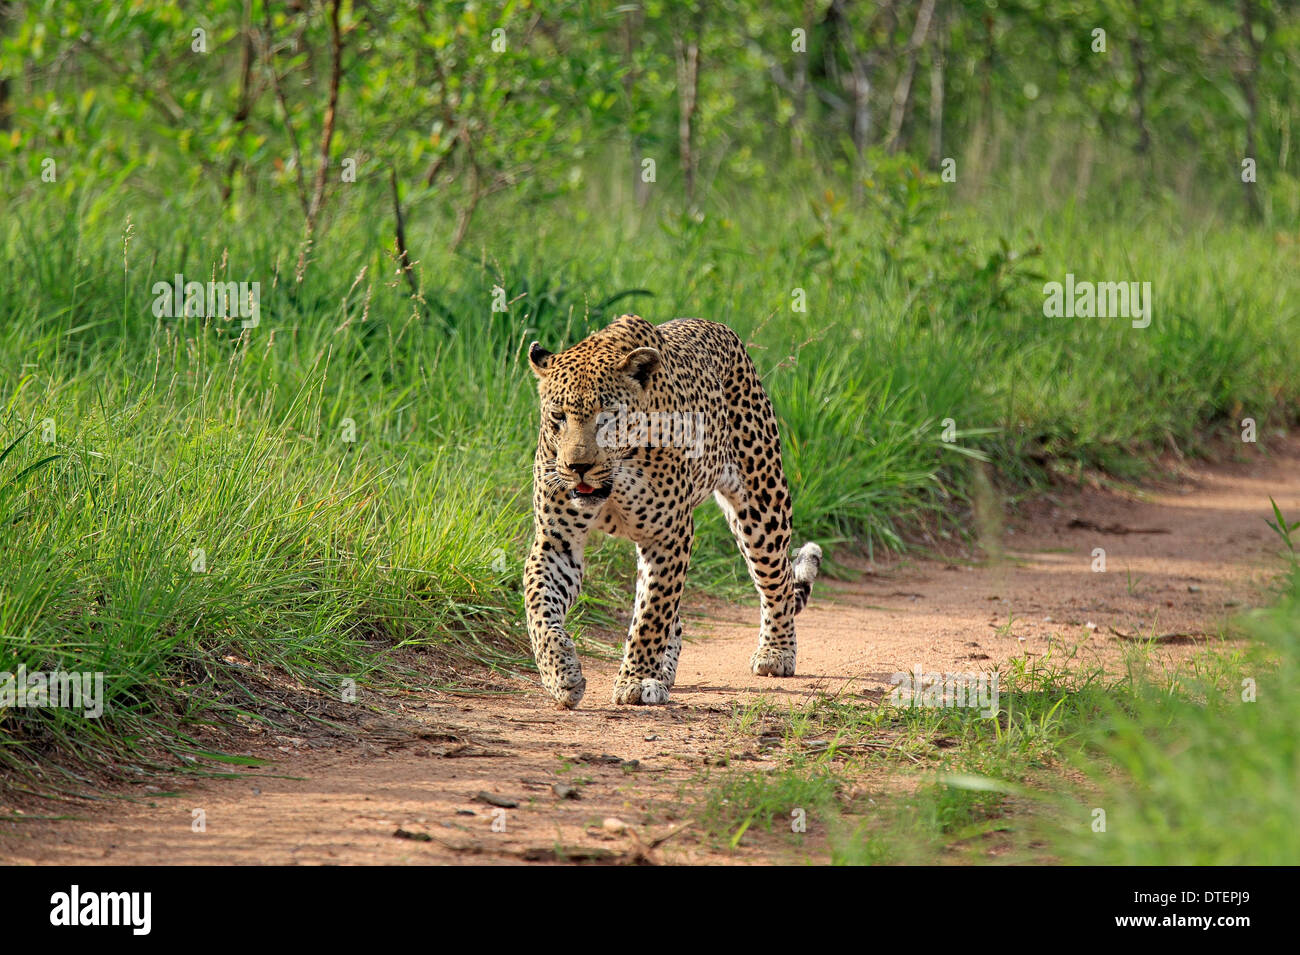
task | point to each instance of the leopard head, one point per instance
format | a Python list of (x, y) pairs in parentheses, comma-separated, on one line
[(584, 390)]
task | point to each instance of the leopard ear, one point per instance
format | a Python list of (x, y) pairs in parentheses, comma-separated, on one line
[(639, 364), (538, 358)]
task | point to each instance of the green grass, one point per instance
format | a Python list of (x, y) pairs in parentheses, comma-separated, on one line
[(1206, 772), (925, 780), (138, 441), (1196, 766)]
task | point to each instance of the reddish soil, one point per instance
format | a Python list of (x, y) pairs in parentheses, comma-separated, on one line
[(1181, 557)]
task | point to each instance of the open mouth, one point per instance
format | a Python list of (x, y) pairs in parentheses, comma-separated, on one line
[(586, 492)]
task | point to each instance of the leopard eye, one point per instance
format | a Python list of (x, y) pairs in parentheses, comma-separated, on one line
[(557, 418)]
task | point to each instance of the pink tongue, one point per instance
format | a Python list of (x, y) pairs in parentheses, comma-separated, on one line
[(585, 489)]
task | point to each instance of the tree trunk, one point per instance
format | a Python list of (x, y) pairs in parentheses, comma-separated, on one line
[(331, 112), (245, 107), (688, 79), (1143, 145), (986, 82), (798, 129), (857, 85), (936, 89), (8, 10), (861, 91), (903, 89), (631, 41), (1246, 80)]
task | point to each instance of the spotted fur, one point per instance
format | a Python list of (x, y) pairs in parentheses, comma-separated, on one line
[(590, 474)]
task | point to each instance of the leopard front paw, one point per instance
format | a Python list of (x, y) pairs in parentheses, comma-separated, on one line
[(649, 692), (772, 661), (565, 683), (569, 696)]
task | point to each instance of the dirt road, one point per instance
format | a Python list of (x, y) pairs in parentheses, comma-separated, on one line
[(436, 782)]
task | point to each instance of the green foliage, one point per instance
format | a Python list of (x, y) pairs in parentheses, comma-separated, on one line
[(1207, 773), (237, 101), (1194, 767), (134, 148)]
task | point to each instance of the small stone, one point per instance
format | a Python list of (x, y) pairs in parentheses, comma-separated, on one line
[(492, 799), (604, 759)]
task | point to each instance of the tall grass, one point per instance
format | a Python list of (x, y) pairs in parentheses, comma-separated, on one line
[(355, 471), (1208, 772), (1195, 766)]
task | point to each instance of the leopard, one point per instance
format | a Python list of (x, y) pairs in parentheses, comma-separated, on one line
[(639, 425)]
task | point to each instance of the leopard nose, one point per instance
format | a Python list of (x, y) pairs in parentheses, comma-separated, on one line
[(580, 469)]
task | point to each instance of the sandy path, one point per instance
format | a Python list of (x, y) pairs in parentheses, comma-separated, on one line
[(1195, 549)]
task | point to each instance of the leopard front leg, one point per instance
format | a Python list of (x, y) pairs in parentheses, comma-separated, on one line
[(668, 666), (654, 637), (552, 579)]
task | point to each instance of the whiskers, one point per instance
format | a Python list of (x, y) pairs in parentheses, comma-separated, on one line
[(549, 475), (555, 478)]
